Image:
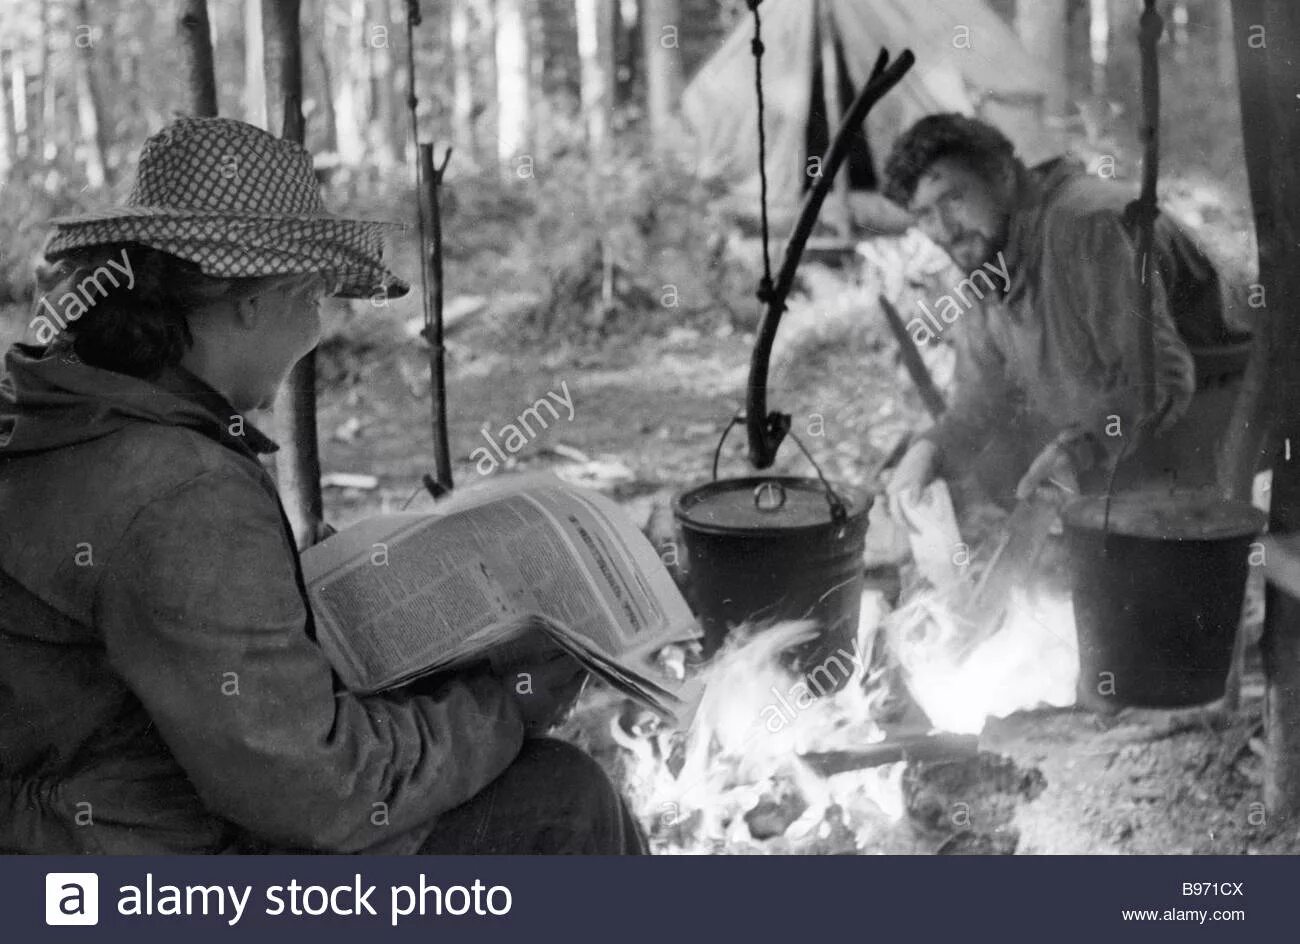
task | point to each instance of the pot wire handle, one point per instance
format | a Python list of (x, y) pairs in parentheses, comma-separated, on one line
[(839, 514), (735, 421)]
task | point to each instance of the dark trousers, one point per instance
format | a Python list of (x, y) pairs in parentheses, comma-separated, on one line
[(553, 800)]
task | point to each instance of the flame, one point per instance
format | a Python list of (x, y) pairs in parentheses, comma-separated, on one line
[(742, 759), (743, 751), (1032, 659)]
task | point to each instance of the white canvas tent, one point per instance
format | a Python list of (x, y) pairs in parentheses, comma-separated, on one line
[(819, 53)]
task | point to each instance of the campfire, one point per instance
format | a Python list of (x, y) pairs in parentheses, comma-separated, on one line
[(779, 761)]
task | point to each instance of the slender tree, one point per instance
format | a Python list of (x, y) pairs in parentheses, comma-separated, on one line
[(7, 132), (512, 71), (89, 107), (45, 124), (595, 50), (18, 98), (351, 104), (317, 41), (298, 461), (660, 39), (282, 55), (254, 64), (386, 75), (196, 58), (462, 109)]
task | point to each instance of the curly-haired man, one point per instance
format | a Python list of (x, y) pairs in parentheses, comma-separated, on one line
[(1049, 380)]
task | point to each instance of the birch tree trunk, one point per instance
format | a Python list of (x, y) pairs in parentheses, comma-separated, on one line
[(512, 62), (89, 109), (254, 65), (660, 36), (462, 90), (387, 132), (18, 95), (196, 58), (7, 133), (350, 101), (45, 129), (597, 76)]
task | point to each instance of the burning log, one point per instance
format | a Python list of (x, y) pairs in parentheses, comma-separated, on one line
[(921, 747)]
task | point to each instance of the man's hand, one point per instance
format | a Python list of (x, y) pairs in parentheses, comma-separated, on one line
[(546, 690), (915, 470), (1052, 467)]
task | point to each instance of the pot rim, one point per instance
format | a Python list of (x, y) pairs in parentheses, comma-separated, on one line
[(858, 503), (1086, 512)]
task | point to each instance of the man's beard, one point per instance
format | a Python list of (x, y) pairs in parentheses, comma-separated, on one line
[(971, 249)]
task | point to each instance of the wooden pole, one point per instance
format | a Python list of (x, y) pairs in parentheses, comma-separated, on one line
[(916, 368), (1142, 212), (431, 184), (766, 431), (428, 184), (1268, 62), (196, 58)]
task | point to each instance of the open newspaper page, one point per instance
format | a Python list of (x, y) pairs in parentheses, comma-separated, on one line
[(398, 596)]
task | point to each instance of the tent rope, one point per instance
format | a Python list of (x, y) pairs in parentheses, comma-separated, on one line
[(756, 46)]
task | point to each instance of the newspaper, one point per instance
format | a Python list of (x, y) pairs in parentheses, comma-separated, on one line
[(484, 575)]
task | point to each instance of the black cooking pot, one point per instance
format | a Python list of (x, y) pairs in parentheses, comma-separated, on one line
[(766, 548), (1158, 586)]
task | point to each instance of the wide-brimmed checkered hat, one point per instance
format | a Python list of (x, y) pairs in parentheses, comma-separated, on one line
[(238, 202)]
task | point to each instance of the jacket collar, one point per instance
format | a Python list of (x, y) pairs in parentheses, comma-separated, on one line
[(231, 428), (49, 399)]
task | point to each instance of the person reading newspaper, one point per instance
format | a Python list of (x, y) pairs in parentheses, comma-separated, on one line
[(162, 686), (401, 596)]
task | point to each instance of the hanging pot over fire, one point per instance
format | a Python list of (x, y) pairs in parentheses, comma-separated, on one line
[(760, 548), (765, 548)]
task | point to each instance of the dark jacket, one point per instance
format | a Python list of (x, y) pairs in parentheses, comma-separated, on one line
[(1059, 348), (160, 687)]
